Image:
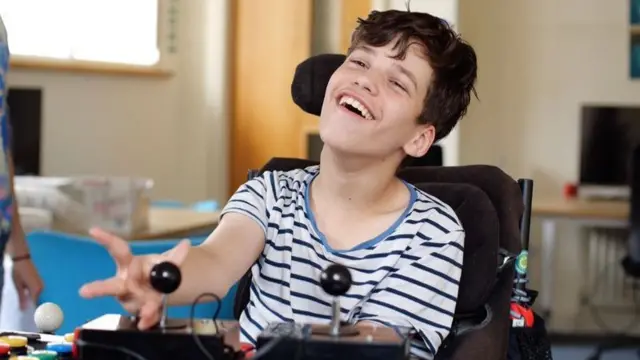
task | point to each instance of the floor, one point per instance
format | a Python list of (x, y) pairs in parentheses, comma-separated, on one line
[(583, 352), (581, 278)]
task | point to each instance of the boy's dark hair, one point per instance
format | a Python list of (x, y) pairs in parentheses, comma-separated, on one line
[(453, 60)]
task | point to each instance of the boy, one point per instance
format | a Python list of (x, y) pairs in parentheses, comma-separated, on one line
[(25, 276), (406, 82)]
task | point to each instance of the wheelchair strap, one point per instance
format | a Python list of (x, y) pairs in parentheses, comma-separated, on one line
[(463, 325), (505, 259)]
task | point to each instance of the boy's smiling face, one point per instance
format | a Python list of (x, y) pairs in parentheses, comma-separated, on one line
[(373, 101)]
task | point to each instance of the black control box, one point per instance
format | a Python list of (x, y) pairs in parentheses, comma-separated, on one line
[(116, 337), (289, 341)]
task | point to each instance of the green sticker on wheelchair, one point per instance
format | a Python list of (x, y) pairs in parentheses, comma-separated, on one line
[(521, 262)]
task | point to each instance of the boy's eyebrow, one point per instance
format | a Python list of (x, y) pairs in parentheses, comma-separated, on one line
[(403, 70), (364, 48)]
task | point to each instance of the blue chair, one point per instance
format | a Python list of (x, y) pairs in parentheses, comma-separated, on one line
[(66, 262)]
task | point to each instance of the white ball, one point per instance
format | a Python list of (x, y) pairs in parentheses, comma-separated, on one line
[(48, 317)]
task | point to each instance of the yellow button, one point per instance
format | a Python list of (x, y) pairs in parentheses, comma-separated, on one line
[(14, 341), (68, 337)]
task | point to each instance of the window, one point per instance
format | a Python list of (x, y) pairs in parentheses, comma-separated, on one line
[(114, 31)]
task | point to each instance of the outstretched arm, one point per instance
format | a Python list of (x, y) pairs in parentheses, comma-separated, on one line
[(212, 267), (233, 246)]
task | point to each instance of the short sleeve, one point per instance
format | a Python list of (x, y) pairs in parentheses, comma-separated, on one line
[(422, 294), (251, 199)]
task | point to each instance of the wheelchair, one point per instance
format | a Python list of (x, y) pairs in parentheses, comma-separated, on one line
[(496, 219)]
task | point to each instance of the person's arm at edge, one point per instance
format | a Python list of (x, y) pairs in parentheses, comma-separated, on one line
[(25, 275), (16, 246)]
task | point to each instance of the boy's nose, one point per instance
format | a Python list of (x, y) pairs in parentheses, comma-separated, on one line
[(366, 83)]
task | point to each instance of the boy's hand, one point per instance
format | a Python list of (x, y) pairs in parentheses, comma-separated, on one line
[(130, 285)]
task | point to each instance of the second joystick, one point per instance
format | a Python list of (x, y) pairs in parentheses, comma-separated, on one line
[(165, 277), (336, 280)]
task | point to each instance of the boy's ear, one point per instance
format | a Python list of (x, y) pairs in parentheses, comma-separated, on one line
[(421, 141)]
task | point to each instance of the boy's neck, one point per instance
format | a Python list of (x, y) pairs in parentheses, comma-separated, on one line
[(355, 183)]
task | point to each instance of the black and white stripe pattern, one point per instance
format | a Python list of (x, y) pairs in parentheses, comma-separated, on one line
[(407, 277)]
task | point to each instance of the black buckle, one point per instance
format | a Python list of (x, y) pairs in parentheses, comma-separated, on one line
[(505, 259)]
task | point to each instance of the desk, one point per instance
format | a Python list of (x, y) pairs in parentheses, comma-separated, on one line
[(602, 213), (177, 222)]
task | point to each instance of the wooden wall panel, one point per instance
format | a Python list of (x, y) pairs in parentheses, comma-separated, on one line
[(269, 39), (351, 11)]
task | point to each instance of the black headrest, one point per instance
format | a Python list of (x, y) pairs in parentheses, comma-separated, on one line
[(310, 81)]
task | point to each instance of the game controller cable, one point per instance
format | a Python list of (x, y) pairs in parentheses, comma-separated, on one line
[(192, 317), (260, 353), (263, 351)]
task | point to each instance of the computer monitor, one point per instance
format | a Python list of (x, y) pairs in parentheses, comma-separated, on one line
[(609, 135)]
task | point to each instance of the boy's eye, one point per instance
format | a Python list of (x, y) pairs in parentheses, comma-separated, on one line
[(358, 62), (395, 83)]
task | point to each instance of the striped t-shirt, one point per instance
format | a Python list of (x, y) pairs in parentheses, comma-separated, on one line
[(407, 276)]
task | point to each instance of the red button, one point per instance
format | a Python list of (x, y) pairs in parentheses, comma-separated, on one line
[(248, 350), (4, 348)]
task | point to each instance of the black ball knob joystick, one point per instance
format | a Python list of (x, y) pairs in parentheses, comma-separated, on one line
[(165, 277), (335, 280)]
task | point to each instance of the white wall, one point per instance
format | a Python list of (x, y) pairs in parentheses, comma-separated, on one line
[(538, 62), (171, 130)]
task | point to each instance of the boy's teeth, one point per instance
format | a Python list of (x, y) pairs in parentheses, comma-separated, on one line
[(356, 104)]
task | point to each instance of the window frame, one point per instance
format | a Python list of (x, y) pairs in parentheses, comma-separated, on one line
[(49, 64)]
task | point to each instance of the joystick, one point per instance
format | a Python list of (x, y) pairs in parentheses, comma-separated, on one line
[(48, 318), (165, 277), (336, 280), (337, 340), (118, 337)]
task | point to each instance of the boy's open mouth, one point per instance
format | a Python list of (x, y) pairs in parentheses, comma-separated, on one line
[(355, 107)]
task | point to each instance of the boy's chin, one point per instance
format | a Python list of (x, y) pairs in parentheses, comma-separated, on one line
[(348, 149)]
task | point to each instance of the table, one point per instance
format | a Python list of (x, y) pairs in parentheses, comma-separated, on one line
[(177, 222), (580, 212)]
